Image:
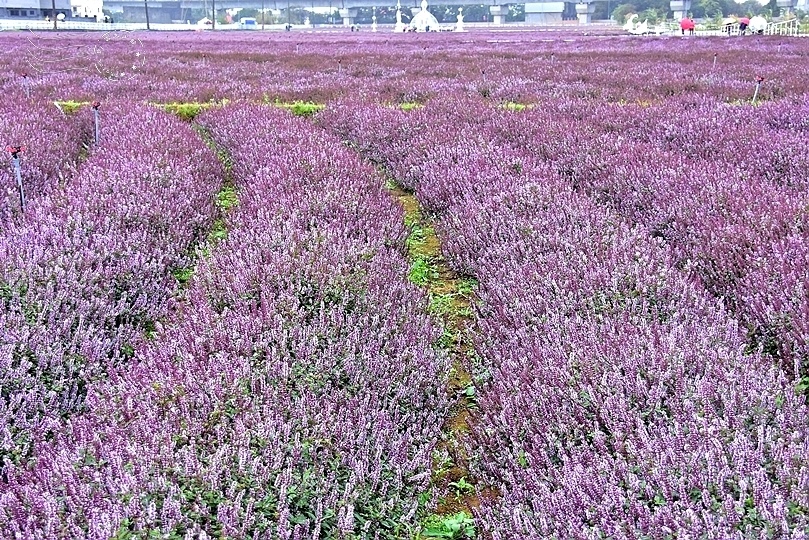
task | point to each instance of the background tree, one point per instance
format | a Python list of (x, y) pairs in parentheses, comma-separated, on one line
[(706, 9), (621, 12)]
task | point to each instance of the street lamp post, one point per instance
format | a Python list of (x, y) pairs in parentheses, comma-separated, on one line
[(262, 14), (53, 13), (213, 19), (146, 7)]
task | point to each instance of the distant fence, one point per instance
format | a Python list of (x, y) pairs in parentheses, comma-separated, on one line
[(23, 24), (791, 27), (29, 24), (783, 28)]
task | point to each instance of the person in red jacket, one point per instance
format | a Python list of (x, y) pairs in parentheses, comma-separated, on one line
[(687, 24)]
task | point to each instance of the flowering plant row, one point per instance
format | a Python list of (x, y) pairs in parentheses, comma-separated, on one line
[(725, 192), (88, 269), (296, 394), (529, 66), (616, 396), (49, 144)]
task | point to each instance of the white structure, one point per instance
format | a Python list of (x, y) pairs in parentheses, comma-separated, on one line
[(757, 24), (584, 12), (400, 26), (680, 8), (636, 29), (459, 24), (498, 14), (789, 6), (424, 21), (91, 9), (348, 15), (544, 12), (553, 11), (33, 9)]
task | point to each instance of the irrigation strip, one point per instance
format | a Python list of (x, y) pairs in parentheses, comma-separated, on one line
[(450, 301)]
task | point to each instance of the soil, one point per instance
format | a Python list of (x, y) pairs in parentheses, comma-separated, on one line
[(457, 320)]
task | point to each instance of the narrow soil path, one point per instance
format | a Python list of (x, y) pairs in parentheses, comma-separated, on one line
[(450, 303), (226, 198)]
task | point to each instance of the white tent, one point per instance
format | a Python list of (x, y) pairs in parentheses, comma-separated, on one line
[(758, 24), (424, 21)]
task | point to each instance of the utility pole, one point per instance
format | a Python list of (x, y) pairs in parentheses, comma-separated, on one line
[(146, 7), (262, 14), (289, 16), (213, 23), (53, 13)]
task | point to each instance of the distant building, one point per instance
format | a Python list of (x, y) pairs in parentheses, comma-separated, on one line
[(34, 9), (159, 12), (84, 9)]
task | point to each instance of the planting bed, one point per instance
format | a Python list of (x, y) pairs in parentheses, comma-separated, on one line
[(486, 285)]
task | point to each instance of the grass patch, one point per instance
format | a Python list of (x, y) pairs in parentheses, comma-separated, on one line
[(301, 108), (449, 305), (802, 387), (453, 527), (446, 341), (422, 271), (183, 275), (449, 297), (442, 462), (69, 107), (643, 103), (515, 107), (218, 232), (190, 110), (467, 286), (760, 100), (441, 304), (405, 106), (227, 198), (418, 234), (462, 487)]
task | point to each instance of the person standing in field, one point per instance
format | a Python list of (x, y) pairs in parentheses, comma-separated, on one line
[(687, 24)]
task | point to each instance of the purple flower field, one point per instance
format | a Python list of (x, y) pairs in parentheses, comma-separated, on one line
[(619, 398), (51, 144), (88, 268), (215, 324)]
